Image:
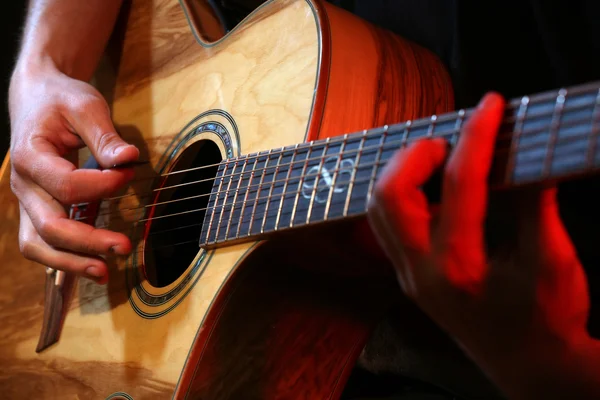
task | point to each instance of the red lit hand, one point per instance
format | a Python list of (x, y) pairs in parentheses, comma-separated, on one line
[(521, 316)]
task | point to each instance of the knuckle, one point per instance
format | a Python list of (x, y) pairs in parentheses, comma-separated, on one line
[(19, 159), (25, 247), (15, 184), (105, 140), (462, 270), (46, 229)]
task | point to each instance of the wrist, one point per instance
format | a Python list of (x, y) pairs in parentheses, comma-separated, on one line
[(34, 63), (28, 69)]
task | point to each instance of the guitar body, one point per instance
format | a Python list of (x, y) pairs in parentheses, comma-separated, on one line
[(285, 318)]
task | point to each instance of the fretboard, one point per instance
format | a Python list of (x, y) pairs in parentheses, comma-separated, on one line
[(549, 136)]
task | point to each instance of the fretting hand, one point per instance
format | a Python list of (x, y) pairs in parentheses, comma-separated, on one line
[(521, 317)]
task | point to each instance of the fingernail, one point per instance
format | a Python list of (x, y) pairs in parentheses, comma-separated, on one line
[(94, 272), (117, 150), (488, 100), (118, 249)]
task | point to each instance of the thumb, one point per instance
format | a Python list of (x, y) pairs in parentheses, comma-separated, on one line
[(93, 124)]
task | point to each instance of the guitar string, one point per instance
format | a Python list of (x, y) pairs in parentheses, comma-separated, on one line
[(410, 125), (379, 148), (283, 195), (228, 207), (243, 161), (142, 236), (231, 208), (249, 235)]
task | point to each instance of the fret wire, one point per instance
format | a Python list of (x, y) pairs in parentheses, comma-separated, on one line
[(517, 132), (447, 132), (245, 201), (535, 99), (235, 196), (554, 131), (431, 129), (366, 179), (593, 145), (335, 176), (394, 127), (285, 185), (376, 166), (459, 123), (224, 203), (317, 179), (451, 132), (413, 124), (520, 148), (264, 221), (260, 183), (354, 171), (214, 210), (578, 138), (300, 183), (406, 134), (531, 102)]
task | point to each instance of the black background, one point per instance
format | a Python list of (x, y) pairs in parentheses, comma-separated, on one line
[(12, 14)]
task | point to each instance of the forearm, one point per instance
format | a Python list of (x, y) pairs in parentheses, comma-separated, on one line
[(69, 34)]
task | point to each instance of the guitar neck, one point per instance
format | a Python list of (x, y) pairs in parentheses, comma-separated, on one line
[(548, 136)]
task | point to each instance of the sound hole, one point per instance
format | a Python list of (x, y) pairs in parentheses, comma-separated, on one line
[(173, 238)]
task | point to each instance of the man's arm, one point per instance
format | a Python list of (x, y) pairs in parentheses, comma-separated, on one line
[(53, 112), (68, 34)]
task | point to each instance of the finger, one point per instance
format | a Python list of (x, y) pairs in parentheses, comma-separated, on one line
[(464, 198), (70, 185), (50, 221), (90, 118), (398, 198), (35, 249)]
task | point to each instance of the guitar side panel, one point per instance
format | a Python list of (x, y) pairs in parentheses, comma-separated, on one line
[(378, 78)]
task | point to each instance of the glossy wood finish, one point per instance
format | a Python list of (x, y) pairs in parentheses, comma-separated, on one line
[(260, 314), (377, 78), (287, 329)]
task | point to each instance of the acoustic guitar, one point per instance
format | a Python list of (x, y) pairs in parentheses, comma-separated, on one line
[(260, 147)]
